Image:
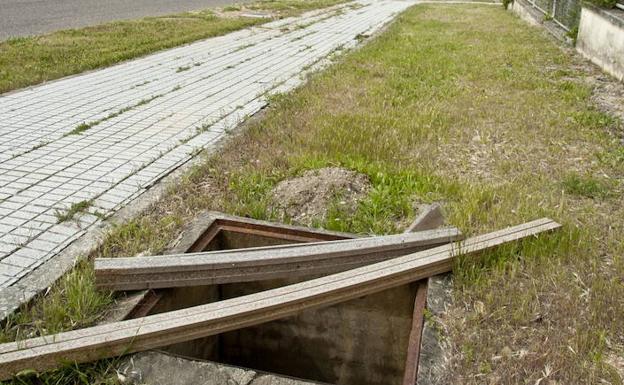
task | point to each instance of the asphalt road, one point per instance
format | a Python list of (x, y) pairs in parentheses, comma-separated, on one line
[(33, 17)]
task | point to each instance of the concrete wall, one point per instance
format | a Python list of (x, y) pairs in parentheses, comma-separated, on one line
[(535, 17), (601, 39), (358, 342), (525, 12)]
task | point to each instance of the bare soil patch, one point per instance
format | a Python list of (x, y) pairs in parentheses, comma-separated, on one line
[(307, 199)]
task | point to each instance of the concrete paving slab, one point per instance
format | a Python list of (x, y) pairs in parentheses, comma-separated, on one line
[(104, 137)]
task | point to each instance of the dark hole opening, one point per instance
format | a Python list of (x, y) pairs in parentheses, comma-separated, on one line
[(359, 342)]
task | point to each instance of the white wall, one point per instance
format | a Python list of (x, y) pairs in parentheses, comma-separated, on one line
[(523, 12), (601, 40)]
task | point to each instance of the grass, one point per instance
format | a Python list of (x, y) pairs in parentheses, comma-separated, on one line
[(81, 128), (26, 61), (62, 307), (72, 211), (84, 126), (291, 7), (585, 186), (232, 8), (468, 106)]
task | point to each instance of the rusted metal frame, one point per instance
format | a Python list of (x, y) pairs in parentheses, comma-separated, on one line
[(430, 218), (198, 235), (414, 342), (194, 240), (145, 305)]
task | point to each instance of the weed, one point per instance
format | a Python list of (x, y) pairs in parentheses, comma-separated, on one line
[(142, 102), (573, 34), (242, 47), (612, 158), (82, 127), (607, 4), (360, 37), (203, 128), (100, 215), (251, 190), (232, 8), (585, 186), (595, 118), (73, 302), (355, 6), (72, 211)]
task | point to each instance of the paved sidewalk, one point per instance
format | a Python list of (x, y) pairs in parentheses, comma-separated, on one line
[(141, 120)]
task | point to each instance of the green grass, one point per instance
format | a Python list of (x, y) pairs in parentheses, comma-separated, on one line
[(585, 186), (68, 305), (468, 106), (26, 61), (74, 209), (232, 8), (608, 4), (82, 127), (291, 7), (72, 304)]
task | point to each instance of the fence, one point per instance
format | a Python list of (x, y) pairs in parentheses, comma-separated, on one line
[(566, 13)]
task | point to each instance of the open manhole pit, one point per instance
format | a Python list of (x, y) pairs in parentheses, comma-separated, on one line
[(362, 341)]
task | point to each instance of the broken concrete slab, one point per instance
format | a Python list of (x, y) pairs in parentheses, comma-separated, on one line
[(157, 368), (434, 351), (430, 217)]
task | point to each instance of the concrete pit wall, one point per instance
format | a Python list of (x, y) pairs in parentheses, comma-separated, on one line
[(359, 342), (601, 39)]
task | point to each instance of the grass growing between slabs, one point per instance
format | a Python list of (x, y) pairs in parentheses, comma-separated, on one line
[(465, 105), (26, 61)]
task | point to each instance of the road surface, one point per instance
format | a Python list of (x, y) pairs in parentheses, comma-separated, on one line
[(34, 17)]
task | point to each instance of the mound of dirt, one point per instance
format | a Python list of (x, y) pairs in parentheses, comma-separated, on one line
[(306, 199)]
